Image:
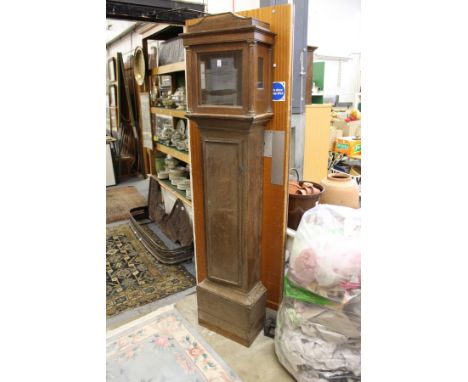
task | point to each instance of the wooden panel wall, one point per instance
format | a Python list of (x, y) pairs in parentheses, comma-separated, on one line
[(274, 196), (316, 142)]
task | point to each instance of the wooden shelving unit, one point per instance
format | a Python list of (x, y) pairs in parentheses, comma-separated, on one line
[(170, 112), (170, 68), (181, 155), (174, 69), (166, 184)]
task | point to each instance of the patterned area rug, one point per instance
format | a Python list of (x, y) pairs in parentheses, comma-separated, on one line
[(133, 276), (119, 202), (163, 346)]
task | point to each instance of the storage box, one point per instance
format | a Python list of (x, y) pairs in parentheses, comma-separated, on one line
[(333, 134), (350, 129), (348, 146)]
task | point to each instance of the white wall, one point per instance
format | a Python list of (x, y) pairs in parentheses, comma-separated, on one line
[(125, 45), (220, 6), (335, 26), (115, 27), (342, 77)]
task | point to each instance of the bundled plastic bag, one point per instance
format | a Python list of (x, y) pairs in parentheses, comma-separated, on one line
[(319, 342), (326, 254), (318, 327)]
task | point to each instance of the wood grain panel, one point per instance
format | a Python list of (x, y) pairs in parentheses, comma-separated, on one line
[(316, 141), (169, 68), (149, 160), (224, 218), (181, 155), (272, 246), (274, 196), (309, 74), (171, 112), (197, 200)]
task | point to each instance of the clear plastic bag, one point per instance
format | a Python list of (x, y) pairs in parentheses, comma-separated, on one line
[(326, 255), (318, 326), (319, 343)]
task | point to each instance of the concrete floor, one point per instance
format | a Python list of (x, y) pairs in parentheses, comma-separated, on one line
[(255, 363), (142, 185)]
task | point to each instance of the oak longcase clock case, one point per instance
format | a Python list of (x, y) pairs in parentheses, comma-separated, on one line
[(229, 72)]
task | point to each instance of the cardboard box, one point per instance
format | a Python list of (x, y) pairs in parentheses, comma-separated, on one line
[(348, 146), (334, 133), (349, 129)]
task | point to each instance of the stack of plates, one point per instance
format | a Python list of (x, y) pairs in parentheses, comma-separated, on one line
[(177, 179), (176, 173), (184, 184), (163, 175), (171, 163)]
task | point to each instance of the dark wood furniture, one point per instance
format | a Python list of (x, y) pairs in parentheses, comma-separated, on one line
[(309, 74), (229, 61), (275, 193)]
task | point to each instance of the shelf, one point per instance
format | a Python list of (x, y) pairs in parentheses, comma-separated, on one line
[(166, 184), (170, 68), (170, 112), (164, 33), (172, 151)]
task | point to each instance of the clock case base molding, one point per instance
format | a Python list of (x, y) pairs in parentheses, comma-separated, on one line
[(232, 313)]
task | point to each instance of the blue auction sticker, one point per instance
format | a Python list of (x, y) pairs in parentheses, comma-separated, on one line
[(279, 90)]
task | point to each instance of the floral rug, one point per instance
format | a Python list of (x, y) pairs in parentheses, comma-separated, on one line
[(163, 346), (134, 277)]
